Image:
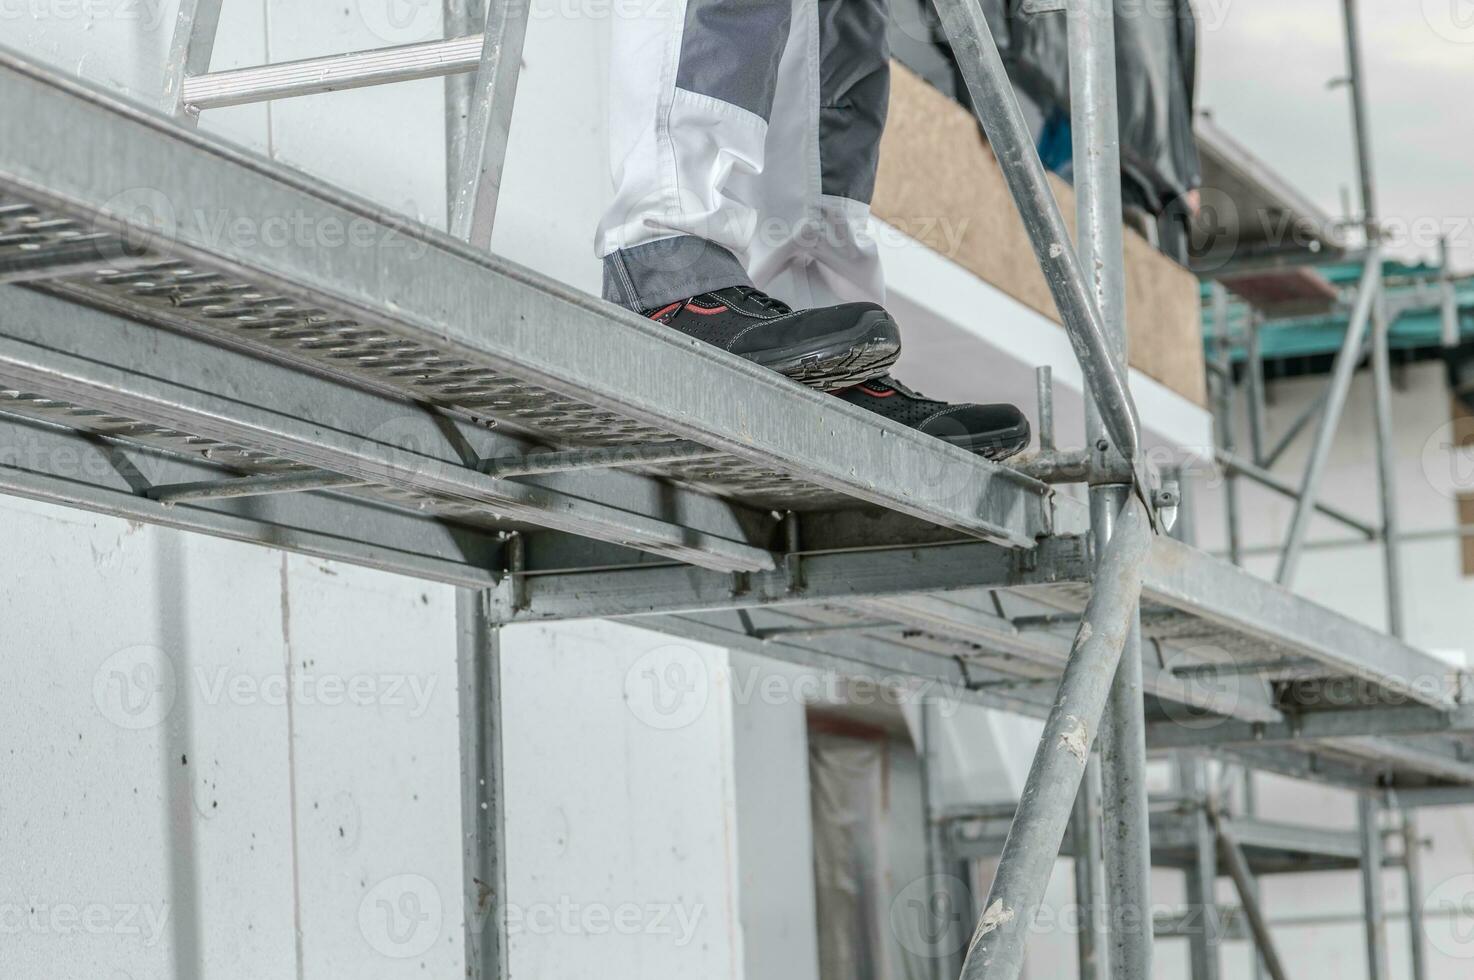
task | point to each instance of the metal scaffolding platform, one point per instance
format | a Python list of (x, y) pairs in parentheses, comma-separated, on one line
[(145, 368), (196, 337)]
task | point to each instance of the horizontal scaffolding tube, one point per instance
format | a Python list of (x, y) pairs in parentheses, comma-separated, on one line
[(334, 73), (997, 947), (1264, 478), (253, 486), (509, 466), (588, 459)]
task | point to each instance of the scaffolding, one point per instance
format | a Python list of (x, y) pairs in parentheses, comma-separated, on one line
[(380, 393)]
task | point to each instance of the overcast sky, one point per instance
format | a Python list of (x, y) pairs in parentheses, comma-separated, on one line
[(1264, 69)]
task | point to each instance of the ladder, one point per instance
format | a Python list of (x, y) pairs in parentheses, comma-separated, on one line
[(479, 116)]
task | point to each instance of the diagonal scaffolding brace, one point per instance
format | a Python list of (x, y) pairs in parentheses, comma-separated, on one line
[(997, 946)]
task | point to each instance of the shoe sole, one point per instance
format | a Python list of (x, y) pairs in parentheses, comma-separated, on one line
[(997, 445), (840, 360)]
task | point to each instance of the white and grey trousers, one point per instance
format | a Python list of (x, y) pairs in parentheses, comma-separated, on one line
[(744, 137)]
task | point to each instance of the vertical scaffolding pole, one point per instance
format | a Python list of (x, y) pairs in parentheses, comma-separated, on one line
[(483, 841), (1381, 357), (1449, 302), (483, 809), (1256, 388), (1097, 149), (981, 67), (1360, 130), (1089, 875), (1223, 420), (1201, 878), (193, 45), (461, 18), (1387, 468), (1374, 908), (946, 961), (1412, 870), (489, 123), (1251, 808)]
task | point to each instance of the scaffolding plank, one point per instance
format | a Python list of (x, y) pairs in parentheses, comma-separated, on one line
[(255, 416), (1220, 593), (47, 462), (338, 284)]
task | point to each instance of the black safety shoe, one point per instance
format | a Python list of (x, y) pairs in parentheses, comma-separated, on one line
[(828, 347), (994, 431)]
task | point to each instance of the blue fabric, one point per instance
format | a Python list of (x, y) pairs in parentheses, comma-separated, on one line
[(1057, 145)]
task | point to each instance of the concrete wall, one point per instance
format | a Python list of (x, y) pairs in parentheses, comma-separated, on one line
[(221, 760)]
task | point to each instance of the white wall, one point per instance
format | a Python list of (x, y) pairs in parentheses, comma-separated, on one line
[(622, 820), (168, 811), (775, 843)]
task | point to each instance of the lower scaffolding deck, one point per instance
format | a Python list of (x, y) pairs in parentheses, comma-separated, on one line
[(445, 414)]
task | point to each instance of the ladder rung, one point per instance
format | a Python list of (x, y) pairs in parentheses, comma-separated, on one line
[(312, 76)]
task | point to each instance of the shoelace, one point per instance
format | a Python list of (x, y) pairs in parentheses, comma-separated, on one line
[(762, 299)]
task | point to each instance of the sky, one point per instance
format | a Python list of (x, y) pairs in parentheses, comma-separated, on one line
[(1264, 69)]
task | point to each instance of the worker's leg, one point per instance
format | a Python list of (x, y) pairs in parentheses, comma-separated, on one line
[(691, 92), (812, 244), (693, 89)]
